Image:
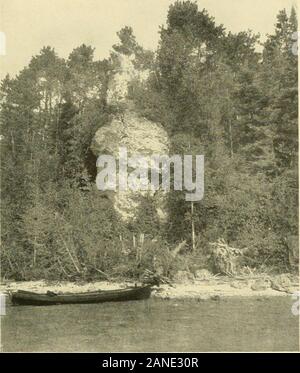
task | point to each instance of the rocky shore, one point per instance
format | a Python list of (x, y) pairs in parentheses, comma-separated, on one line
[(197, 288)]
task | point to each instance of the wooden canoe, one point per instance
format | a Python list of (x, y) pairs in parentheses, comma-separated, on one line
[(22, 297)]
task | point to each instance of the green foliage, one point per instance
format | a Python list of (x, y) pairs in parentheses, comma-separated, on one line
[(214, 94), (128, 43), (147, 221)]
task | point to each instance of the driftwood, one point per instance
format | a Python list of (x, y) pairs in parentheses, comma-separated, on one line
[(154, 278), (225, 258)]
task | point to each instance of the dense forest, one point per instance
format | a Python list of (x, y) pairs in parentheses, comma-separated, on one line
[(222, 94)]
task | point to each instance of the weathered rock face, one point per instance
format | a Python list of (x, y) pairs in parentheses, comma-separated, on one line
[(135, 133), (139, 136)]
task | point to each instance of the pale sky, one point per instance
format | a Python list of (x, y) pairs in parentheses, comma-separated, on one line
[(29, 25)]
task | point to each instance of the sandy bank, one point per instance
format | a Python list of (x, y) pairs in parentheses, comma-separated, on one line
[(200, 290)]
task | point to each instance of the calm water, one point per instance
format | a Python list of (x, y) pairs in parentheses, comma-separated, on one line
[(154, 325)]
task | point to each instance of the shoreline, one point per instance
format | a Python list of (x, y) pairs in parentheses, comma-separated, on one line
[(214, 289)]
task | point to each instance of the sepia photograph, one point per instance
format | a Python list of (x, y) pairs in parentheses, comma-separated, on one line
[(149, 177)]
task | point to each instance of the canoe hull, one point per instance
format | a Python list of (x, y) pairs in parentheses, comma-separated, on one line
[(122, 295)]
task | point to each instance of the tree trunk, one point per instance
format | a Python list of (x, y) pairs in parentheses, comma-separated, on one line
[(230, 139), (193, 226), (34, 253)]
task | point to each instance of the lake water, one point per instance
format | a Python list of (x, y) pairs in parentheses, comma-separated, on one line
[(247, 324)]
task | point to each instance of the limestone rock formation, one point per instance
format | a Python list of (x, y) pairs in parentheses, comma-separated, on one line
[(134, 132), (124, 74)]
